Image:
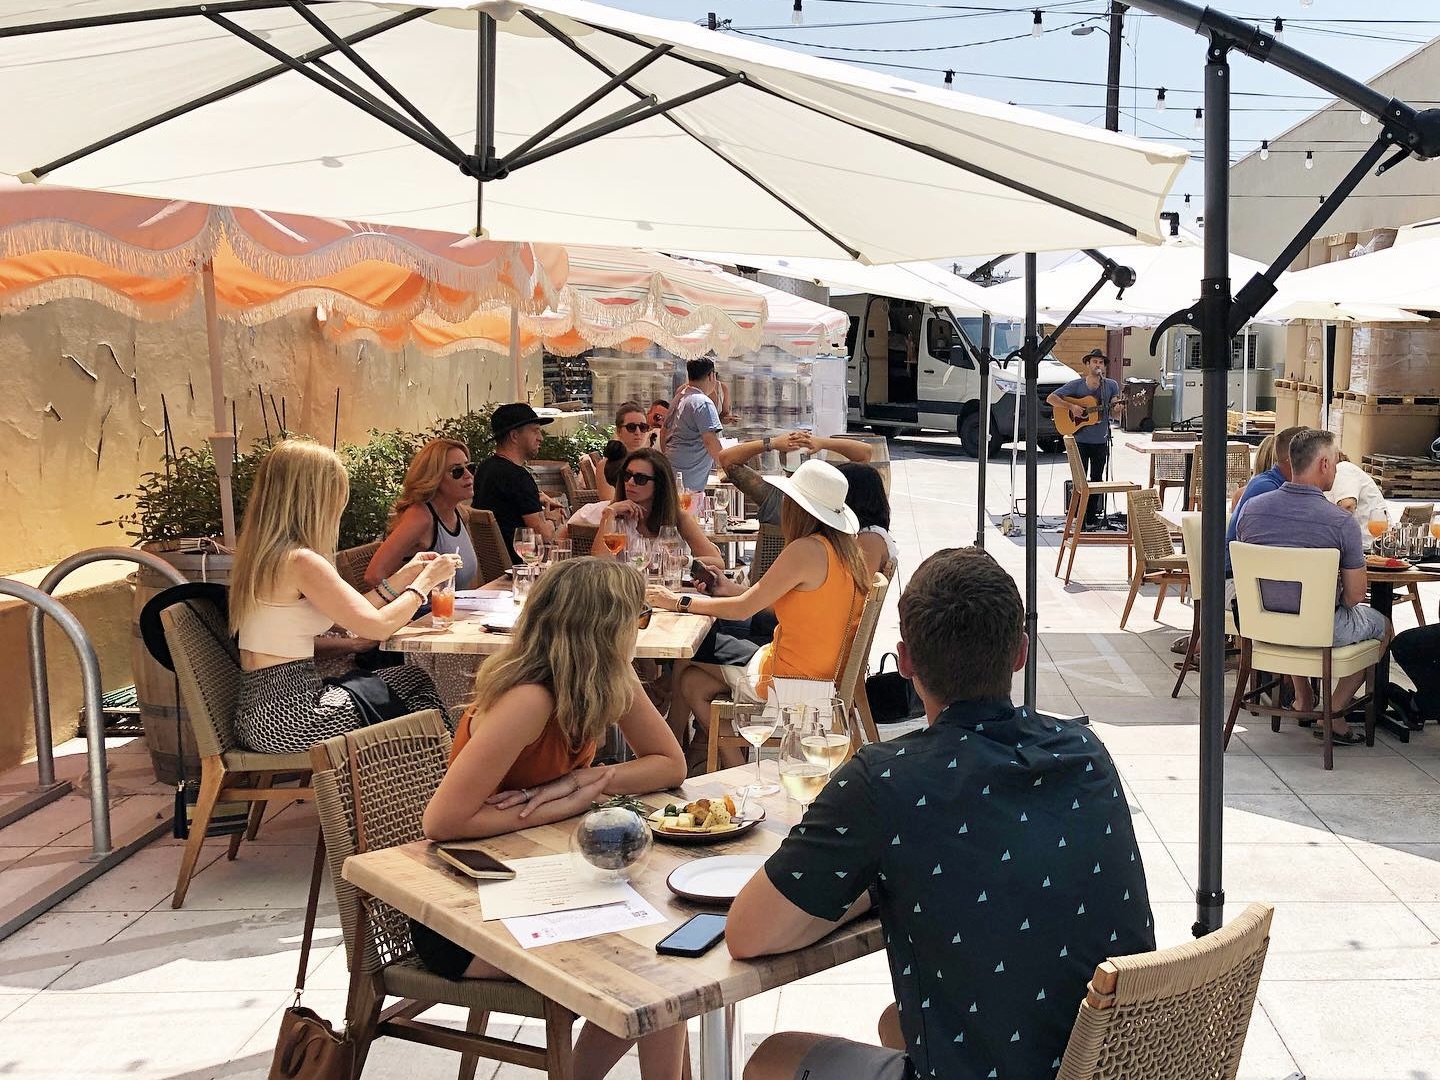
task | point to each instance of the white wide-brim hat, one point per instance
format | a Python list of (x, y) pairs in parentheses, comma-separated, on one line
[(820, 489)]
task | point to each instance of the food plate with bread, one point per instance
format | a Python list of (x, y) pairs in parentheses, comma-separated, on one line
[(703, 821)]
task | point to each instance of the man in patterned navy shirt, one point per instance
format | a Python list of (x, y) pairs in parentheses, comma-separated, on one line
[(997, 846)]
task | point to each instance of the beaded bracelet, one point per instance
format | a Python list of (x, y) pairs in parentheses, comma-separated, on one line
[(386, 590)]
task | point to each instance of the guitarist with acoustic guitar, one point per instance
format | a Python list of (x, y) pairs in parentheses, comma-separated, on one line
[(1088, 403)]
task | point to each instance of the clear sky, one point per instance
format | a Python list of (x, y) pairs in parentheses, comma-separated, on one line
[(988, 44)]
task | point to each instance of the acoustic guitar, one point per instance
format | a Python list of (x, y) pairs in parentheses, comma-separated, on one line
[(1066, 424)]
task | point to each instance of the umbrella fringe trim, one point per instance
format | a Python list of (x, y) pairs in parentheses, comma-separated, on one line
[(72, 288), (55, 234), (304, 297)]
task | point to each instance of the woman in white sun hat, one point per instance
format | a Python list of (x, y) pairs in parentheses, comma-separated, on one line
[(816, 586)]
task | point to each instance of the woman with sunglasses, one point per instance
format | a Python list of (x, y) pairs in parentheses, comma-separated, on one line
[(632, 432), (432, 513), (522, 756), (649, 501)]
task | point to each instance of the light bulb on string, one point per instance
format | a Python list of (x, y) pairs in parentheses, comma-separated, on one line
[(1199, 119), (1279, 29), (1187, 199), (1307, 3), (1309, 159), (1264, 149), (1037, 28), (1160, 100), (950, 78), (1364, 118), (797, 13)]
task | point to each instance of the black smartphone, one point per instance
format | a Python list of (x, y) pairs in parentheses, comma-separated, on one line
[(696, 937), (476, 864), (703, 575)]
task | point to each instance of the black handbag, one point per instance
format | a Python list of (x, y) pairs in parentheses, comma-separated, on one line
[(892, 698)]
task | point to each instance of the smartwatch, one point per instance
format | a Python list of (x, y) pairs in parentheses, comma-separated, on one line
[(685, 602), (766, 442)]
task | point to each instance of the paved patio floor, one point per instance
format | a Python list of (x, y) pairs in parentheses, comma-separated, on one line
[(115, 983)]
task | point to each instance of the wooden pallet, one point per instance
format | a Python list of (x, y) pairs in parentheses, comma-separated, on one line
[(1387, 399), (1404, 477)]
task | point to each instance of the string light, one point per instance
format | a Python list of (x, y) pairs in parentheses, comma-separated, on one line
[(1364, 117), (797, 13), (1199, 119), (1264, 149), (1187, 200), (1279, 29), (1309, 159), (949, 78), (1037, 28), (1160, 100), (1307, 3)]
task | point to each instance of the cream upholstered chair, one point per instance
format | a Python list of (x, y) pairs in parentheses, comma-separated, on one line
[(1175, 1014), (1190, 531), (1073, 536), (1298, 644), (1153, 552)]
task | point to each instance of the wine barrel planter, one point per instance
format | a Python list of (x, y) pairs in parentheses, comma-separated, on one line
[(167, 726)]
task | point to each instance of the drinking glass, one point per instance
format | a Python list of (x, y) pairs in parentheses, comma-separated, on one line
[(724, 495), (674, 569), (637, 551), (1435, 530), (614, 542), (829, 745), (801, 778), (523, 578), (655, 567), (1378, 523), (442, 604), (687, 500), (756, 724), (560, 550), (669, 537), (528, 546)]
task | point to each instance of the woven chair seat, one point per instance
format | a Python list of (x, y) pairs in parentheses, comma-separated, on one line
[(250, 761), (1113, 487), (1168, 562), (409, 978)]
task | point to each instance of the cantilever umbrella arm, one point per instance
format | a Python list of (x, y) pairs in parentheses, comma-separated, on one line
[(1219, 316)]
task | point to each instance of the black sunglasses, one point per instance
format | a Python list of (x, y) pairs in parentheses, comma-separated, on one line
[(636, 429), (457, 471), (639, 479), (643, 622)]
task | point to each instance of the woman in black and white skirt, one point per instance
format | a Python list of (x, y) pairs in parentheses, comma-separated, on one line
[(284, 590)]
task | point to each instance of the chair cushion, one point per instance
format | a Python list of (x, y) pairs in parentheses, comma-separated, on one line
[(1295, 660), (411, 979), (1112, 486), (250, 761), (1169, 562)]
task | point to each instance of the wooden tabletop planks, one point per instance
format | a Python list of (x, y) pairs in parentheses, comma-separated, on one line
[(616, 980)]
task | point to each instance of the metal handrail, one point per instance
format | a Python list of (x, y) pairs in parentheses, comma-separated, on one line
[(40, 679)]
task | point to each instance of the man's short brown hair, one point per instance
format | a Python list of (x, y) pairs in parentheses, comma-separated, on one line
[(1283, 441), (962, 621)]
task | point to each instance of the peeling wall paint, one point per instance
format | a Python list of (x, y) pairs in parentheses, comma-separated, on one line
[(81, 416)]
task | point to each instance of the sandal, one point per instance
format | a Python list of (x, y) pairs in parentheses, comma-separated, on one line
[(1341, 738)]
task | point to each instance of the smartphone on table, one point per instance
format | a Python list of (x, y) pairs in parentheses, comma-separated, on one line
[(473, 863), (697, 936)]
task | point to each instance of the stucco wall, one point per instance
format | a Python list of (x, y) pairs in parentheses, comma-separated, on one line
[(81, 420)]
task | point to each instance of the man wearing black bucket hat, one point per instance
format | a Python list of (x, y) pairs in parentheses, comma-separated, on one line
[(505, 487)]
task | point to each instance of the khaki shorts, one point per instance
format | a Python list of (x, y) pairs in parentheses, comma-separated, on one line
[(841, 1059)]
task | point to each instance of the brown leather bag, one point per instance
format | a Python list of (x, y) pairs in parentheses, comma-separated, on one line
[(308, 1047)]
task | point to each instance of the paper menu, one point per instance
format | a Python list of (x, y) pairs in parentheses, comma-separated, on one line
[(547, 884), (532, 931)]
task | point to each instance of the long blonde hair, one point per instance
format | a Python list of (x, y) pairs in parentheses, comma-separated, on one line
[(1265, 455), (796, 523), (424, 477), (300, 491), (575, 637)]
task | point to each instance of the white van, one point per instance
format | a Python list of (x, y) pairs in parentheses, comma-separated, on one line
[(915, 367)]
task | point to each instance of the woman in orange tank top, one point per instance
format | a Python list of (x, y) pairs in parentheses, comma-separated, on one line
[(816, 585), (522, 754)]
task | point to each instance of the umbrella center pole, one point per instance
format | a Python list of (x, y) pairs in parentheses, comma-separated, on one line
[(485, 59)]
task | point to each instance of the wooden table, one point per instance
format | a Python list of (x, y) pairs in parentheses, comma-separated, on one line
[(617, 980), (1149, 446), (670, 635)]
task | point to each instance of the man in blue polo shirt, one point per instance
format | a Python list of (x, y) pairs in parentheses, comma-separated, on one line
[(1269, 480), (996, 845)]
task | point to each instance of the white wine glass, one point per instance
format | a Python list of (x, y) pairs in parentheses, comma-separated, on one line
[(527, 546), (637, 550), (801, 778), (829, 744), (723, 495), (756, 724)]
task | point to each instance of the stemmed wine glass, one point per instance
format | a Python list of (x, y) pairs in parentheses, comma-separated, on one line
[(637, 550), (756, 724), (722, 496), (1379, 522), (829, 746), (801, 777), (528, 546)]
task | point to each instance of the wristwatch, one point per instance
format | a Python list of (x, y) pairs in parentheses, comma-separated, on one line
[(766, 442), (685, 602)]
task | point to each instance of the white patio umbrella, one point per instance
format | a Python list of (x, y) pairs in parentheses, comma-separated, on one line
[(593, 125), (1404, 276)]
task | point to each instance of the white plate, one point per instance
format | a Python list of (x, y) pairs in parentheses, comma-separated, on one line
[(715, 880)]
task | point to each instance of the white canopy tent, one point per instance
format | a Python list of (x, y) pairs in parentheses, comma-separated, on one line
[(1404, 276), (585, 124)]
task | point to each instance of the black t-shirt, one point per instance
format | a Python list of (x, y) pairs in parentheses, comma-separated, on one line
[(1006, 867), (509, 492)]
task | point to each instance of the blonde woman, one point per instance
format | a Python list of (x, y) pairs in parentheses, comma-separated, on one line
[(431, 514), (522, 755), (816, 586), (284, 590)]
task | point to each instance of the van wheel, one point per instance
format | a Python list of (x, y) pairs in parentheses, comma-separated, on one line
[(969, 432)]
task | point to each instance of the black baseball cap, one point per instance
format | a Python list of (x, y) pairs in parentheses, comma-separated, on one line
[(1093, 353), (507, 418)]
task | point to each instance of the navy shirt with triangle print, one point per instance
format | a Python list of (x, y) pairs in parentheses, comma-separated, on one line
[(1007, 868)]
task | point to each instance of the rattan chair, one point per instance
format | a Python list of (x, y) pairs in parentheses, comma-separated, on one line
[(1190, 529), (1167, 471), (1237, 472), (1153, 552), (490, 550), (851, 685), (352, 563), (722, 710), (1175, 1014), (1419, 514), (556, 479), (207, 666), (586, 491), (1297, 644), (768, 545), (582, 538), (1073, 536), (400, 764)]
